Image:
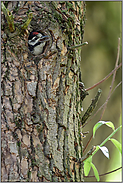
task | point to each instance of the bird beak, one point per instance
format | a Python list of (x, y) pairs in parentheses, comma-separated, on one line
[(45, 38)]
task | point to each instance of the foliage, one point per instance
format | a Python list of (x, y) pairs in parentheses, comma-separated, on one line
[(88, 162), (103, 27)]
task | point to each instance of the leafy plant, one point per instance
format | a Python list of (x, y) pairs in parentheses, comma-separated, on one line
[(88, 162)]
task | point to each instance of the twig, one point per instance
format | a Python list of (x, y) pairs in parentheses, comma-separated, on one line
[(116, 87), (113, 79), (87, 143), (105, 78), (9, 17), (25, 25), (91, 107), (105, 173), (102, 105), (110, 92), (89, 153), (77, 46)]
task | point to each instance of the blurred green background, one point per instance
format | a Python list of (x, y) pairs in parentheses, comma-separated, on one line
[(102, 29)]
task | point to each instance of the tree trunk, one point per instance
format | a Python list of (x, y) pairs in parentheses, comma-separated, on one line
[(41, 101)]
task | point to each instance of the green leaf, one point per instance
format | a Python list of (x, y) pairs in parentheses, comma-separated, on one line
[(95, 172), (105, 151), (117, 144), (108, 138), (100, 123), (87, 166), (110, 124), (96, 126)]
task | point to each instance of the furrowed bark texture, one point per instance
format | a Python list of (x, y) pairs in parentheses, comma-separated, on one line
[(41, 103)]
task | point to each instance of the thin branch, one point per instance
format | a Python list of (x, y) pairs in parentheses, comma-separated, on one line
[(103, 104), (105, 78), (113, 79), (116, 87), (110, 92), (87, 143), (9, 17), (78, 46), (25, 25), (91, 107), (87, 155), (105, 173)]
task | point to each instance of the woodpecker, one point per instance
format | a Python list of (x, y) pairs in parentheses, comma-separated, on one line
[(37, 42)]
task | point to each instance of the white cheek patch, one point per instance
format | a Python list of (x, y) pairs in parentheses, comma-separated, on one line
[(33, 41)]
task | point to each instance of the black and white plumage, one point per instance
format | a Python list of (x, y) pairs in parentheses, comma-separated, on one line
[(37, 42)]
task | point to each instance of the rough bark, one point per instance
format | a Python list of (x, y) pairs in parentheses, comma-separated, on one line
[(41, 102)]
